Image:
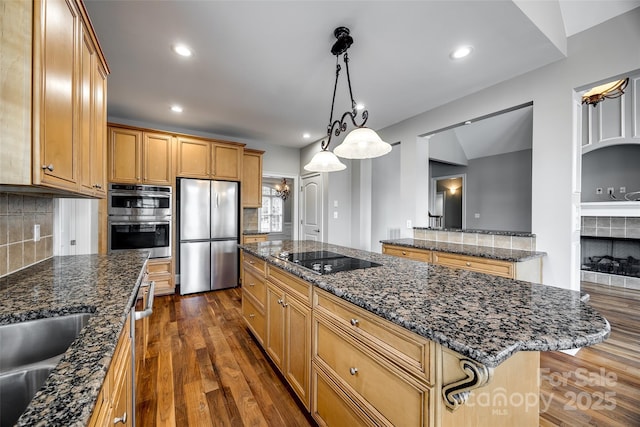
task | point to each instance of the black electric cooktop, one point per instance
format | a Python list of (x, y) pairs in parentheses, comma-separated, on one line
[(325, 262)]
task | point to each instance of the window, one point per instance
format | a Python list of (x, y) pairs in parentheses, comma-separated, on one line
[(271, 211)]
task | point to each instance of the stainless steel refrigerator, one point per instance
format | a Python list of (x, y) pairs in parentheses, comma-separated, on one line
[(208, 234)]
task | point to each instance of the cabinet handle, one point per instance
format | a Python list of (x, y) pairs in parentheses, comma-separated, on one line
[(251, 316), (48, 167), (280, 301), (252, 284), (98, 186), (354, 322), (285, 305), (122, 419), (251, 262), (404, 253), (468, 264), (353, 371)]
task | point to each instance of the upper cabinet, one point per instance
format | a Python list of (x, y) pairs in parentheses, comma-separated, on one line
[(139, 157), (53, 112), (252, 178), (613, 121), (209, 159)]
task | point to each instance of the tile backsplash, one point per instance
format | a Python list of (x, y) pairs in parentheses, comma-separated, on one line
[(18, 215), (492, 240), (250, 219)]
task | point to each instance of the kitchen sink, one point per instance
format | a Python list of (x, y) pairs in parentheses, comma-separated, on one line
[(29, 351)]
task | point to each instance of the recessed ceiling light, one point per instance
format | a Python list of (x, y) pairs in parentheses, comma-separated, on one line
[(182, 50), (461, 52), (306, 136), (176, 109)]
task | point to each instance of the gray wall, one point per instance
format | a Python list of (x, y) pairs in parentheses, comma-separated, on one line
[(555, 180), (385, 195), (498, 188), (616, 166)]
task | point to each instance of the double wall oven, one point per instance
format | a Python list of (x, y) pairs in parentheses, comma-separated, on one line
[(140, 218)]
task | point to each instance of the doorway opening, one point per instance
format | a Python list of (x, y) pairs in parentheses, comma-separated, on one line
[(448, 203)]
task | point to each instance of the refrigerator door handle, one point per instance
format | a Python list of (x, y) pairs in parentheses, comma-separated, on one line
[(217, 200)]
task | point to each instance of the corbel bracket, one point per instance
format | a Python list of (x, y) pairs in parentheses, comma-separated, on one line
[(457, 393)]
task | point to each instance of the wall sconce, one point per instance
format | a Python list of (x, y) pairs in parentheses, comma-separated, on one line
[(283, 189), (606, 91)]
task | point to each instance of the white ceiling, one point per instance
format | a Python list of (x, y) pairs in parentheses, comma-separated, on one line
[(263, 71)]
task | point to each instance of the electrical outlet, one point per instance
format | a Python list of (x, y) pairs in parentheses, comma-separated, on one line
[(598, 190), (335, 214), (36, 232), (623, 190), (476, 215), (408, 223), (610, 190)]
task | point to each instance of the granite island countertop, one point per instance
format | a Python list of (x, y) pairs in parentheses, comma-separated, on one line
[(513, 255), (104, 285), (484, 317)]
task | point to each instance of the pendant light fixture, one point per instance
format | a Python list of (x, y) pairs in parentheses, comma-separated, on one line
[(606, 91), (360, 143), (283, 190)]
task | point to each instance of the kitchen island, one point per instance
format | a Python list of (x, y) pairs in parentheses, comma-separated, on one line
[(103, 285), (475, 336)]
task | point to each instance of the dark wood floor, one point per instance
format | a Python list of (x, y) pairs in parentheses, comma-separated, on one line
[(202, 368)]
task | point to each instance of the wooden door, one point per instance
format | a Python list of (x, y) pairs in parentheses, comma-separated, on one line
[(99, 152), (193, 158), (156, 155), (311, 208), (56, 46), (252, 179), (125, 155), (297, 367), (275, 325), (226, 160)]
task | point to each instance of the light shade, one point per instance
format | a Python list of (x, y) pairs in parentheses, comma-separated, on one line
[(325, 161), (362, 143), (608, 90)]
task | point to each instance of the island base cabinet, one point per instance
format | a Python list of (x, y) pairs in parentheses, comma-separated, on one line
[(288, 337), (388, 394), (511, 397), (253, 317), (330, 406)]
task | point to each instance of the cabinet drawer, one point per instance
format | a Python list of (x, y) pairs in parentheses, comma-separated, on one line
[(255, 285), (293, 285), (405, 348), (396, 396), (481, 265), (253, 262), (158, 267), (332, 407), (254, 238), (415, 254), (254, 317), (164, 284)]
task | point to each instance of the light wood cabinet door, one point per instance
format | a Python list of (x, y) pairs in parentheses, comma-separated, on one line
[(410, 253), (55, 93), (226, 160), (275, 325), (99, 151), (156, 158), (159, 270), (252, 179), (193, 158), (125, 155), (86, 118), (297, 366)]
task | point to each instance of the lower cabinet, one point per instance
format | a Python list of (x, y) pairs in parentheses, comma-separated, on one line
[(115, 401), (254, 238), (288, 338), (361, 365), (159, 270), (529, 270)]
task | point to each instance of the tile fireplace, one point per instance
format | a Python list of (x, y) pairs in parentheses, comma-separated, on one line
[(610, 251)]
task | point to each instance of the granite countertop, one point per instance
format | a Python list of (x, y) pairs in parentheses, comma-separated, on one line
[(486, 318), (513, 255), (105, 285), (470, 230)]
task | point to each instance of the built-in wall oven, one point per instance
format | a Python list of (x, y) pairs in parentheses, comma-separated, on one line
[(140, 218)]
